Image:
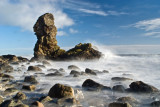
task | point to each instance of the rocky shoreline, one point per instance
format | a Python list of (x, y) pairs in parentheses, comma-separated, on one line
[(24, 91)]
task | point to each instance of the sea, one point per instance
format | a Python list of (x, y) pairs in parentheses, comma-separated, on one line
[(138, 62)]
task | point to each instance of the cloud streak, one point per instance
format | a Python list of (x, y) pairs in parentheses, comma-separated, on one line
[(102, 13)]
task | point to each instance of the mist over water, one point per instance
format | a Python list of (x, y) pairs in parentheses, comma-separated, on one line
[(140, 65)]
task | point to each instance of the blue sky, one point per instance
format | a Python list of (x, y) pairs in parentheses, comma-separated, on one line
[(108, 22)]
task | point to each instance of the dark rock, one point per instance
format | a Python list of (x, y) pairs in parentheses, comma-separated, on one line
[(45, 99), (2, 75), (54, 74), (22, 105), (69, 100), (37, 104), (60, 91), (73, 72), (5, 67), (10, 58), (29, 87), (92, 85), (10, 103), (105, 71), (155, 104), (73, 67), (20, 96), (46, 46), (120, 79), (30, 79), (129, 100), (75, 75), (140, 86), (89, 71), (61, 70), (10, 90), (82, 52), (46, 31), (34, 68), (52, 70), (119, 88), (116, 104)]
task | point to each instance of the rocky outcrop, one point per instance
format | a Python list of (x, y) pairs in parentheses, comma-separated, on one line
[(116, 104), (46, 46), (46, 31)]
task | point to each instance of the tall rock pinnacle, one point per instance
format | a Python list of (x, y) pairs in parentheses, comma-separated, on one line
[(46, 31), (46, 46)]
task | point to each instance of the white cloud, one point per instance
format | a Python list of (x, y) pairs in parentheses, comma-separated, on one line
[(102, 13), (24, 13), (73, 30), (148, 25), (116, 13), (61, 33), (153, 34)]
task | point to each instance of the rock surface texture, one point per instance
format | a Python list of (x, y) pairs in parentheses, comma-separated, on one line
[(46, 46)]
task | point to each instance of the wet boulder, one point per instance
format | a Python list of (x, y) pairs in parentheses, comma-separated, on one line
[(37, 104), (54, 74), (34, 68), (22, 105), (89, 71), (73, 67), (155, 104), (116, 104), (140, 86), (120, 79), (129, 100), (45, 99), (2, 75), (61, 70), (119, 88), (1, 99), (92, 85), (20, 96), (10, 103), (73, 72), (30, 79), (29, 87), (60, 91), (46, 63)]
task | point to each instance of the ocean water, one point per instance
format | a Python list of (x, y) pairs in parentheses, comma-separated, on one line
[(140, 63)]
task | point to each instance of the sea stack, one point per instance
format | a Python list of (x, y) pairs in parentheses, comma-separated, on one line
[(46, 46), (46, 31)]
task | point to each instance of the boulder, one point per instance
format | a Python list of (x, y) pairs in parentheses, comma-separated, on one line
[(73, 67), (73, 72), (2, 75), (45, 99), (89, 71), (29, 87), (155, 104), (20, 96), (116, 104), (60, 91), (46, 63), (120, 79), (34, 68), (30, 79), (140, 86), (129, 100), (5, 67), (37, 104), (119, 88), (10, 103), (22, 105), (10, 91), (61, 70), (54, 74), (92, 85)]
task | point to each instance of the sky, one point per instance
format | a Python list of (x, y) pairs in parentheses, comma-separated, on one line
[(106, 22)]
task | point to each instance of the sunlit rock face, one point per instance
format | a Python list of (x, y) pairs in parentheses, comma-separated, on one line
[(46, 31), (46, 46)]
